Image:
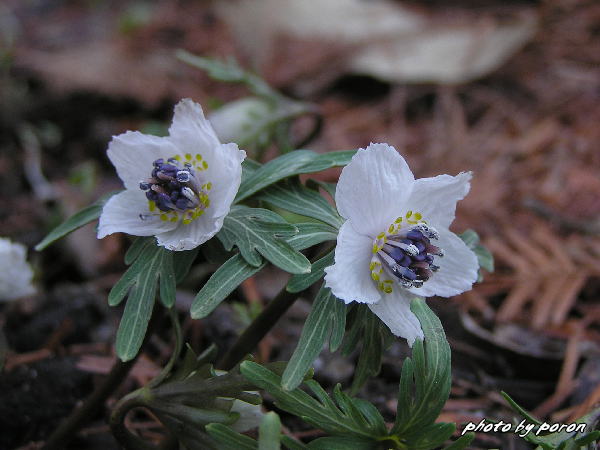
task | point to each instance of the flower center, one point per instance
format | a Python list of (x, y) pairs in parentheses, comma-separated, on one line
[(175, 189), (404, 253)]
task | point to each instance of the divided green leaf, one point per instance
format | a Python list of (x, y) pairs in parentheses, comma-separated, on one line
[(561, 440), (222, 283), (425, 380), (257, 232), (344, 417), (77, 220), (300, 282), (293, 163), (149, 264), (327, 318), (292, 196)]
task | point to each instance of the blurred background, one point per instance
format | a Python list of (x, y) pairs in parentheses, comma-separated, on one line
[(507, 89)]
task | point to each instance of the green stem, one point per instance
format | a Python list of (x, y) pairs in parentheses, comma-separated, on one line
[(257, 330), (117, 420), (266, 320), (175, 355)]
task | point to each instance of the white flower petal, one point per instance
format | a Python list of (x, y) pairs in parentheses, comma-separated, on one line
[(250, 415), (15, 272), (394, 310), (225, 174), (436, 197), (458, 268), (350, 278), (187, 237), (122, 214), (190, 130), (133, 153), (373, 188)]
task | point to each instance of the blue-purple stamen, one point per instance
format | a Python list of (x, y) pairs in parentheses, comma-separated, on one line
[(172, 187), (409, 256)]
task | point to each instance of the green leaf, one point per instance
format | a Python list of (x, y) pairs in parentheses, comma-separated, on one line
[(257, 232), (519, 409), (291, 443), (573, 440), (310, 234), (235, 270), (292, 196), (341, 419), (134, 250), (342, 443), (429, 370), (369, 361), (300, 282), (229, 439), (221, 283), (293, 163), (77, 220), (228, 71), (182, 262), (433, 436), (461, 442), (327, 187), (315, 332), (269, 432), (153, 263)]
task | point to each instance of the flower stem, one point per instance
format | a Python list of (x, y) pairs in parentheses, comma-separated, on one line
[(257, 330)]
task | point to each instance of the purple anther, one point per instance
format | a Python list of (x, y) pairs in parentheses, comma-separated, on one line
[(406, 241), (424, 274), (403, 272), (183, 176), (419, 257), (168, 168), (158, 162), (164, 176), (182, 203), (173, 161), (151, 195), (433, 250), (164, 202), (415, 235), (144, 186), (397, 254), (406, 261), (420, 246), (429, 259), (174, 195)]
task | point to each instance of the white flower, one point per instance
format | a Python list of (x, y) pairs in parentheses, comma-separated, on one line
[(15, 272), (395, 244), (179, 188)]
